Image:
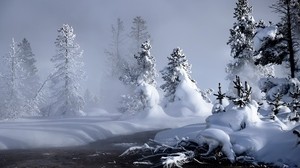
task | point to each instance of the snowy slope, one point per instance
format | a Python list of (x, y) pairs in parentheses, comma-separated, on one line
[(241, 131), (61, 132)]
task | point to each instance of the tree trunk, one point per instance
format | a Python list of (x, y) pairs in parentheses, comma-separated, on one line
[(290, 41)]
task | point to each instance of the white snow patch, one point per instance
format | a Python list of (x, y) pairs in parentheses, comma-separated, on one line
[(262, 34), (188, 100)]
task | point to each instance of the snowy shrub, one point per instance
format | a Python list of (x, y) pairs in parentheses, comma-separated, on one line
[(219, 106), (243, 93), (183, 97)]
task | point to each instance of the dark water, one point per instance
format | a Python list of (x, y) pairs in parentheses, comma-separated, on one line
[(100, 154)]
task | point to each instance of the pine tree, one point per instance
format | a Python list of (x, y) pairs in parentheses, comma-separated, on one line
[(288, 27), (218, 107), (295, 104), (13, 75), (146, 65), (277, 104), (285, 46), (144, 77), (67, 98), (242, 50), (241, 38), (31, 82), (115, 60), (243, 93), (139, 32), (170, 74)]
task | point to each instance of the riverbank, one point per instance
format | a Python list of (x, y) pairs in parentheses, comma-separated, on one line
[(99, 154)]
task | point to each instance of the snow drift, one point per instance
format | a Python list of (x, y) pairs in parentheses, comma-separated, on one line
[(188, 100)]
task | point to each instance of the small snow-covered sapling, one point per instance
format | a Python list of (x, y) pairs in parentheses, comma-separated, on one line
[(243, 93), (295, 104), (277, 103), (238, 86), (220, 96)]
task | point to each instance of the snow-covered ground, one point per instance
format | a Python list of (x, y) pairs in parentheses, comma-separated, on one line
[(242, 131), (60, 132)]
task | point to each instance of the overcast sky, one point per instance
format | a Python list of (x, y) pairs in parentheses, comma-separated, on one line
[(199, 27)]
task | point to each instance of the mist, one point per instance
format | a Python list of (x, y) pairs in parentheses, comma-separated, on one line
[(200, 28)]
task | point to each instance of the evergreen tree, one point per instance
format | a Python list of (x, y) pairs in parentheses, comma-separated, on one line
[(146, 65), (241, 43), (115, 60), (13, 75), (31, 82), (285, 46), (139, 32), (67, 98), (218, 106), (276, 104), (170, 74), (287, 27), (145, 74), (241, 38)]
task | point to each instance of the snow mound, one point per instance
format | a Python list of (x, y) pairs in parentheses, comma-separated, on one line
[(235, 118), (188, 99), (152, 110), (214, 138)]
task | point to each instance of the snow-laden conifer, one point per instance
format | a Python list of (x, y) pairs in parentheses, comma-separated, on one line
[(283, 46), (66, 92), (114, 53), (240, 40), (13, 76), (171, 73), (141, 77), (31, 79), (139, 32), (242, 51)]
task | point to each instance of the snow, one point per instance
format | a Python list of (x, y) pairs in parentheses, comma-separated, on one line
[(269, 141), (26, 133), (262, 34), (235, 117), (188, 100), (177, 159), (216, 137)]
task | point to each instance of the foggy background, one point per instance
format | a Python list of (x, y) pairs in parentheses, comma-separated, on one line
[(199, 27)]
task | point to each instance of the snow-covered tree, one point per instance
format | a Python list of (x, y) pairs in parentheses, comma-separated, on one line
[(144, 77), (283, 44), (243, 93), (182, 95), (277, 104), (295, 105), (31, 82), (241, 44), (240, 40), (12, 90), (146, 65), (115, 59), (66, 92), (218, 106), (139, 32), (90, 99), (170, 74)]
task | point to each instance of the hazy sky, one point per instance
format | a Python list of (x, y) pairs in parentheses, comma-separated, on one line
[(199, 27)]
